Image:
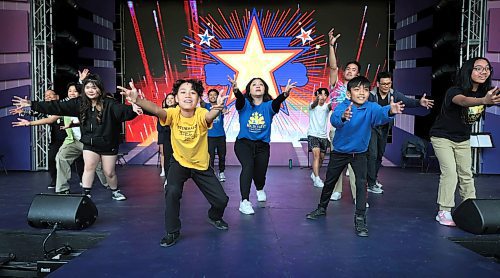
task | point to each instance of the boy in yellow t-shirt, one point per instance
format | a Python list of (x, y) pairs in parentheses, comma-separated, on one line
[(189, 125)]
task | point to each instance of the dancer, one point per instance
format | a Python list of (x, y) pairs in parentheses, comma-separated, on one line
[(353, 119), (381, 95), (100, 118), (217, 136), (166, 144), (256, 110), (463, 105), (189, 125)]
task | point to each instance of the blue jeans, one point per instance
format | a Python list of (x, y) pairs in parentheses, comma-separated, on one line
[(376, 151)]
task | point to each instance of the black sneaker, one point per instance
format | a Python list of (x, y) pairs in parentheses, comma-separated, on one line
[(170, 239), (219, 224), (316, 213), (360, 226)]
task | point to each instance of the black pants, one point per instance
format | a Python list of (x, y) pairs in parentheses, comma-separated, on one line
[(208, 184), (219, 144), (168, 153), (254, 159), (51, 165), (376, 151), (337, 163)]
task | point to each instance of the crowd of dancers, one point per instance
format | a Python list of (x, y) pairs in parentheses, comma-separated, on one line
[(191, 132)]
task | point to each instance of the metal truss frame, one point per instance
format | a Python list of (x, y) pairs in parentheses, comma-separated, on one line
[(473, 34), (42, 74)]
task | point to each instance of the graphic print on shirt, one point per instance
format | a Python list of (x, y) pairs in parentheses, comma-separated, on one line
[(256, 123), (472, 114), (187, 133)]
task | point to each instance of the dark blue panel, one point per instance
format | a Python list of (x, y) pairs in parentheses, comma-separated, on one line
[(491, 157), (419, 111), (15, 71), (14, 31), (95, 28), (415, 81), (94, 53), (413, 53), (105, 9), (6, 95), (408, 30), (493, 37), (15, 144), (405, 8), (108, 76)]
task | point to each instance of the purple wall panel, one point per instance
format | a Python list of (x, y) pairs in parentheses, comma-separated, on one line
[(14, 31), (413, 81), (496, 70), (95, 28), (491, 157), (494, 30), (15, 71), (413, 53), (15, 144), (405, 8), (411, 29), (105, 9), (94, 53), (6, 95)]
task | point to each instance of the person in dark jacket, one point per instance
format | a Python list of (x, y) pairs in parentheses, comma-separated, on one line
[(100, 123), (382, 95)]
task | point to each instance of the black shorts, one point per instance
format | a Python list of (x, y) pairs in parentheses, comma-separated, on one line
[(101, 151), (315, 142)]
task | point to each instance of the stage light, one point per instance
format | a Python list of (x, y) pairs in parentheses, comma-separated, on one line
[(69, 37), (66, 70), (446, 38), (443, 3), (73, 4), (444, 70)]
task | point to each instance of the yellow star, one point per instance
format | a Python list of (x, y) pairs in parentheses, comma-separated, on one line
[(256, 61)]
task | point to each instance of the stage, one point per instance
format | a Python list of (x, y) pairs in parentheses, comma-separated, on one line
[(278, 241)]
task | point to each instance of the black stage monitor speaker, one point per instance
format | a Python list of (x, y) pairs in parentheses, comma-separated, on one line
[(478, 216), (68, 211)]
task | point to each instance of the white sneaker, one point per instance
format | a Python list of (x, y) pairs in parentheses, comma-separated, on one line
[(336, 196), (118, 196), (246, 207), (367, 205), (378, 184), (222, 177), (375, 189), (313, 177), (318, 182), (347, 172), (261, 195), (165, 184), (162, 174)]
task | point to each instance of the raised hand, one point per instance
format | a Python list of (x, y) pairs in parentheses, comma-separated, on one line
[(289, 87), (332, 38), (427, 103), (347, 115), (220, 102), (21, 122), (83, 74), (233, 82), (492, 97), (19, 102), (396, 107), (130, 94), (15, 111)]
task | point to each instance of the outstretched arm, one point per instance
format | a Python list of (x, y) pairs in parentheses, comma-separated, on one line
[(332, 59), (240, 98), (491, 98), (216, 109), (278, 100), (148, 106)]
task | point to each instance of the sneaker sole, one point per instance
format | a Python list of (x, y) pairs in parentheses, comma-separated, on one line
[(168, 245), (119, 198), (445, 224), (250, 213), (375, 192)]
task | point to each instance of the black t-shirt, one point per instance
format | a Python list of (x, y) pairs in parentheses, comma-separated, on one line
[(57, 135), (382, 101), (454, 121)]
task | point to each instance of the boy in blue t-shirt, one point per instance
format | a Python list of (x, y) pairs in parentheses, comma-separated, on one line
[(353, 120), (217, 136)]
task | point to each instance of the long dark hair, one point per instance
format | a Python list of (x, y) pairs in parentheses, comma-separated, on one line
[(265, 97), (86, 104), (164, 102), (464, 79)]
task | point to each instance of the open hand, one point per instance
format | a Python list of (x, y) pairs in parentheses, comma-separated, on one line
[(396, 107), (347, 115), (425, 102), (19, 102), (289, 87), (332, 38), (233, 82), (130, 94), (492, 97), (21, 122)]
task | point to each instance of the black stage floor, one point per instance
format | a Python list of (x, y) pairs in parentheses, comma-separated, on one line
[(278, 241)]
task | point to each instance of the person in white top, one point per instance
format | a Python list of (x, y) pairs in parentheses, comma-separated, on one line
[(317, 136)]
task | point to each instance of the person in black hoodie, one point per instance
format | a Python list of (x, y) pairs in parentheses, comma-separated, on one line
[(100, 123)]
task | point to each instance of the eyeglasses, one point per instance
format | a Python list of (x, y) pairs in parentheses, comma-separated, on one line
[(386, 84), (480, 69)]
